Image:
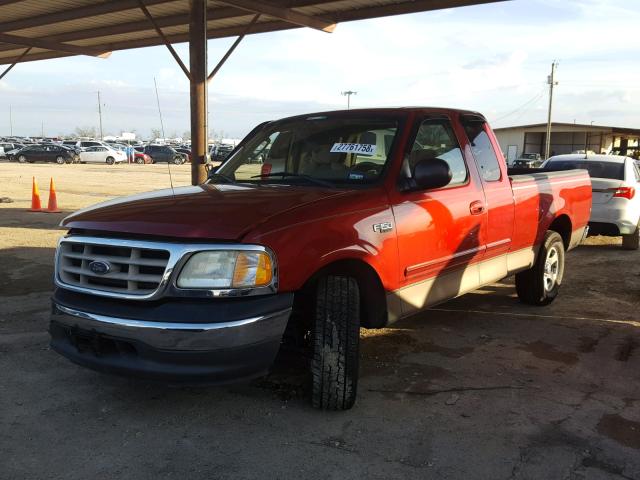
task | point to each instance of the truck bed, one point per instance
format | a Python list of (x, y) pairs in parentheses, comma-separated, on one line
[(540, 194)]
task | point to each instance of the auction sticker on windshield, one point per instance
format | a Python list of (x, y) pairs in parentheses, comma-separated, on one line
[(359, 148)]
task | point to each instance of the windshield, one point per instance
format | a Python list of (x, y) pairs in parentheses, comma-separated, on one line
[(315, 150), (613, 170)]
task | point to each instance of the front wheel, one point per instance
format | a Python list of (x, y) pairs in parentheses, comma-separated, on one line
[(22, 159), (631, 241), (139, 161), (110, 161), (177, 161), (336, 338), (60, 160), (540, 284)]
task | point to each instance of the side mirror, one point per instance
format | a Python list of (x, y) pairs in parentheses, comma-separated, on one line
[(430, 174)]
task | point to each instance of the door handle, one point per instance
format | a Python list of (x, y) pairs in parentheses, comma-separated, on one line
[(476, 208)]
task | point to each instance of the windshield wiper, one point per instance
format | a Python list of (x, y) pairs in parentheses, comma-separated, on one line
[(309, 178)]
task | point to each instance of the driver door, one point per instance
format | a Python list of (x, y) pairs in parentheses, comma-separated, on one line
[(440, 232)]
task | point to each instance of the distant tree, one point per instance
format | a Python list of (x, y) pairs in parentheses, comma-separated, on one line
[(155, 133), (85, 131)]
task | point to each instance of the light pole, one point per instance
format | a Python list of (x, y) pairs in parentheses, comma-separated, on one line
[(100, 115), (348, 94), (10, 122)]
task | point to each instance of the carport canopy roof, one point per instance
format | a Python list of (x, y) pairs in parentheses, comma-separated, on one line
[(43, 29)]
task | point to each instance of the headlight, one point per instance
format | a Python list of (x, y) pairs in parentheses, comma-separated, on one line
[(227, 269)]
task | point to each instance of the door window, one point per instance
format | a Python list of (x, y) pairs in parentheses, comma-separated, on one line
[(436, 139)]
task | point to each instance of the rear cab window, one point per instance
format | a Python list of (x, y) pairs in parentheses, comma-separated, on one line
[(482, 149)]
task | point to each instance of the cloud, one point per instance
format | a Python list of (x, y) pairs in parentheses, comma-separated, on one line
[(494, 58)]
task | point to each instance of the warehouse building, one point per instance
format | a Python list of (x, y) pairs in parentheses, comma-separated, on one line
[(567, 138)]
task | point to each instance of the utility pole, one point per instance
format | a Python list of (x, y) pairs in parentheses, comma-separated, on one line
[(551, 80), (10, 122), (348, 94), (159, 111), (100, 115)]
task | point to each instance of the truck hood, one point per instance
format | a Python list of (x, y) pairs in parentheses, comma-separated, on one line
[(215, 212)]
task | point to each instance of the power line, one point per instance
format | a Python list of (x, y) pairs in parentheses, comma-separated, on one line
[(537, 97)]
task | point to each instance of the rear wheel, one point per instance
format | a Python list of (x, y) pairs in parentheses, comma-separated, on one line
[(110, 161), (632, 241), (540, 284), (336, 337), (60, 160)]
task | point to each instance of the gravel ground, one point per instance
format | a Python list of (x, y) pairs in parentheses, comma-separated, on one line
[(480, 387)]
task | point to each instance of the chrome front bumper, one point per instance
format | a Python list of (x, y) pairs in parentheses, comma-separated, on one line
[(170, 352), (178, 336)]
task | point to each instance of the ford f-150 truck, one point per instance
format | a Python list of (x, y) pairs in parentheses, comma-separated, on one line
[(315, 226)]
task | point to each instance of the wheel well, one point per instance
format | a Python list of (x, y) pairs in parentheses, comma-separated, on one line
[(373, 299), (562, 225)]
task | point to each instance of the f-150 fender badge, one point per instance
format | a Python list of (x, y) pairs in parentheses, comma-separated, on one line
[(382, 227)]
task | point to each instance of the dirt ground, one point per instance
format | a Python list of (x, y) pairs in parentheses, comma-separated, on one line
[(481, 387)]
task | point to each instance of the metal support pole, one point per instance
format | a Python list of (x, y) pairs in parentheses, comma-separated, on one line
[(198, 69), (233, 47), (8, 69)]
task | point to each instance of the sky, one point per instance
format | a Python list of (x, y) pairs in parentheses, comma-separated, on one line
[(491, 58)]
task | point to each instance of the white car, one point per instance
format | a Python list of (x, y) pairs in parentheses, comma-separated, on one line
[(615, 183), (102, 154)]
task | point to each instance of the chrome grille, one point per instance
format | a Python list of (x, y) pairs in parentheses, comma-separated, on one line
[(134, 270)]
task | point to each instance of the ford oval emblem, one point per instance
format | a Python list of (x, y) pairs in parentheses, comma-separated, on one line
[(99, 267)]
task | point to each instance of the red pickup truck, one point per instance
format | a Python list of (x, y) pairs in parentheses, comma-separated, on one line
[(315, 226)]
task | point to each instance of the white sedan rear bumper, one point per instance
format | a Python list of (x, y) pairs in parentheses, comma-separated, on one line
[(622, 213)]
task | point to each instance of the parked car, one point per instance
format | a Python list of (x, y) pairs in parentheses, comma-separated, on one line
[(220, 152), (616, 202), (6, 148), (200, 283), (142, 158), (528, 160), (525, 163), (82, 144), (164, 153), (184, 151), (102, 154), (45, 153)]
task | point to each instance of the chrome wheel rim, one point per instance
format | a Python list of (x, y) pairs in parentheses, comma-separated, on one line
[(551, 269)]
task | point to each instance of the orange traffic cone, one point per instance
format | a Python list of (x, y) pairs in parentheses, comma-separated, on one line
[(52, 207), (35, 197)]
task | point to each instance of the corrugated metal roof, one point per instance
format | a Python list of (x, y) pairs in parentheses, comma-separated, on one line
[(70, 27)]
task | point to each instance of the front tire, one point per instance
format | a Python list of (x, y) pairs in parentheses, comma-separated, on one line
[(110, 161), (139, 161), (22, 159), (631, 241), (178, 161), (60, 160), (540, 284), (336, 338)]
